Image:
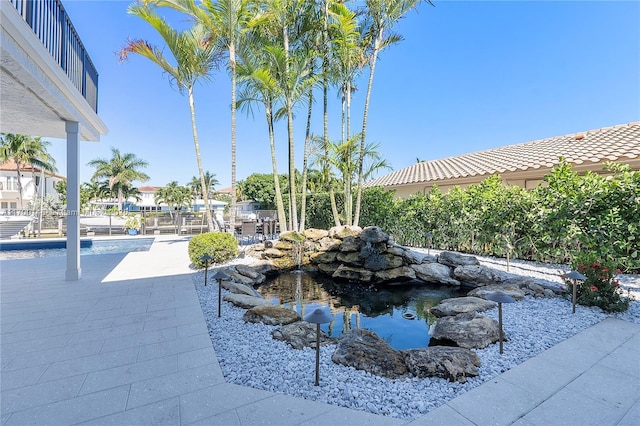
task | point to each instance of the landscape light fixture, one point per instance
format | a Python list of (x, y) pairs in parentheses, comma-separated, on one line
[(206, 258), (574, 276), (429, 237), (508, 248), (500, 297), (219, 276), (317, 317)]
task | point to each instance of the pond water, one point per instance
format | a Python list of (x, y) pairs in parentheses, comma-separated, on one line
[(397, 313), (30, 249)]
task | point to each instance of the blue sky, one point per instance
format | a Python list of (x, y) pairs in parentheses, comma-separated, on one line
[(468, 76)]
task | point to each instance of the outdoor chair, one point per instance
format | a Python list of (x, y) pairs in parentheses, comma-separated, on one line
[(248, 231)]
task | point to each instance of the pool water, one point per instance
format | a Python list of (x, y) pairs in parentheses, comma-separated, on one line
[(55, 248), (397, 313)]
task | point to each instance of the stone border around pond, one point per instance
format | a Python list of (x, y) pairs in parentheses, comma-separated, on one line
[(371, 256)]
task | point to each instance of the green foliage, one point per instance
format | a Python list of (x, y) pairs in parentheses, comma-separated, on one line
[(600, 289), (261, 188), (569, 214), (221, 246)]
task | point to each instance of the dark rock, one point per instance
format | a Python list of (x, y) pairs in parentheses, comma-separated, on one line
[(461, 305), (454, 364), (365, 350), (324, 257), (301, 334), (271, 315), (453, 259), (471, 331), (350, 243), (248, 271), (375, 262), (373, 235), (350, 258), (435, 273), (328, 268)]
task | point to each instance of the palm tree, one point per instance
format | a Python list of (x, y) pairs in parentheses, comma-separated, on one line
[(175, 196), (210, 183), (26, 151), (195, 54), (260, 86), (383, 16), (120, 171)]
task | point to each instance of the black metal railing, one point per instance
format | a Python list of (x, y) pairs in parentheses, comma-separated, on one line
[(52, 26)]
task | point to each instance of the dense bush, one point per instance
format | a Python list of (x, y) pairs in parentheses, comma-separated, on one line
[(221, 246), (568, 215), (601, 288)]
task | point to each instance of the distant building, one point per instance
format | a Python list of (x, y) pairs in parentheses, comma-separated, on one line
[(523, 164), (43, 184)]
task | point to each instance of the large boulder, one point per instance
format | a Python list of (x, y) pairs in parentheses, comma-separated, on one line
[(350, 258), (248, 271), (477, 275), (454, 259), (352, 274), (324, 257), (435, 273), (341, 232), (511, 290), (271, 315), (365, 350), (373, 235), (461, 305), (238, 277), (454, 364), (245, 301), (350, 243), (403, 273), (238, 288), (300, 334), (471, 331), (329, 244), (314, 234)]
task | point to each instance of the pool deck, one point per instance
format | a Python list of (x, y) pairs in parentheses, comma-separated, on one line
[(128, 345)]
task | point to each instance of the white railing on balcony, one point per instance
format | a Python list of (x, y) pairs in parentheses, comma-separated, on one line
[(50, 23)]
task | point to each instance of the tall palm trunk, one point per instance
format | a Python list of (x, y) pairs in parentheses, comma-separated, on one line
[(276, 178), (325, 131), (232, 60), (196, 144), (293, 208), (19, 172), (376, 49), (307, 145)]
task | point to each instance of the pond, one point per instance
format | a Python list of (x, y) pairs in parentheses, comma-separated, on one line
[(398, 313)]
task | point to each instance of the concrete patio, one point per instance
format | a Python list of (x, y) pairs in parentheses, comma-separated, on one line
[(128, 344)]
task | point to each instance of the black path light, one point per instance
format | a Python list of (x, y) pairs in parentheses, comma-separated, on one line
[(206, 258), (508, 248), (317, 317), (220, 276), (500, 297), (574, 276), (429, 237)]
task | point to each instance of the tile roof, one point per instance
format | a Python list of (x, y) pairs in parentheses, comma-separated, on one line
[(616, 143)]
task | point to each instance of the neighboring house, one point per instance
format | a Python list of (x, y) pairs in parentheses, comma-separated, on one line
[(43, 184), (49, 89), (523, 164), (147, 203)]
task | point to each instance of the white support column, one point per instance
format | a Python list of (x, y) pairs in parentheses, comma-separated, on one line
[(73, 272)]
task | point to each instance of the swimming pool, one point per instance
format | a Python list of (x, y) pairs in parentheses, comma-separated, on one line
[(29, 249)]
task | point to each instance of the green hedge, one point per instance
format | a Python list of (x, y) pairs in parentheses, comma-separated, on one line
[(221, 246), (568, 215)]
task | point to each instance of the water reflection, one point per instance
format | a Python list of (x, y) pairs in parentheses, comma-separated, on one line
[(380, 309)]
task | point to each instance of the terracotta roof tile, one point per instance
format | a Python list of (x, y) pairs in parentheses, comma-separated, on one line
[(599, 145)]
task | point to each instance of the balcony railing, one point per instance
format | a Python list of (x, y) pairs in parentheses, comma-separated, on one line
[(50, 23)]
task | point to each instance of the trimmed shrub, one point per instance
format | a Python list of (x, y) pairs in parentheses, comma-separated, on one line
[(221, 246)]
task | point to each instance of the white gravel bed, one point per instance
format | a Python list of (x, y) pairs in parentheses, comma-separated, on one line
[(249, 356)]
